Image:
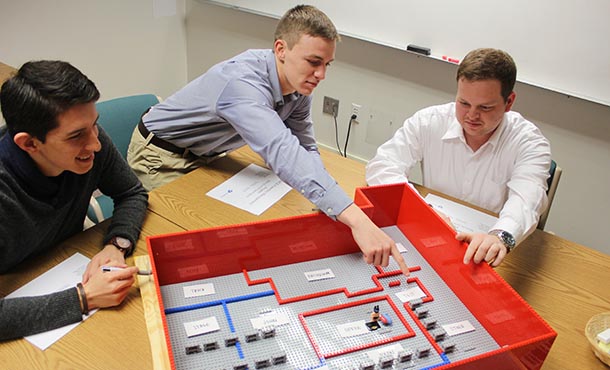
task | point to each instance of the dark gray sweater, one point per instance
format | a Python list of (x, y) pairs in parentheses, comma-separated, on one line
[(38, 212)]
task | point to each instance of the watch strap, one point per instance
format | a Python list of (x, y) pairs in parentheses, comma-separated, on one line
[(505, 237)]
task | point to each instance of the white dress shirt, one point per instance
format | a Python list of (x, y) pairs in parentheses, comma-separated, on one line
[(507, 175)]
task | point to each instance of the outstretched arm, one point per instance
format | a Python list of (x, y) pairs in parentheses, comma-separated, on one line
[(376, 245)]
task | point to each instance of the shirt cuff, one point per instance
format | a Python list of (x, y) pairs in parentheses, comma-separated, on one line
[(512, 227), (334, 202)]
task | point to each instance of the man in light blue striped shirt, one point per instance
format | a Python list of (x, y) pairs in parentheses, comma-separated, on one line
[(260, 98)]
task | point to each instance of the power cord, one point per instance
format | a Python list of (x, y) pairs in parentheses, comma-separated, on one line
[(337, 136), (349, 127)]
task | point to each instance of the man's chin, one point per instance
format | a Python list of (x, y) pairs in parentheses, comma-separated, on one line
[(305, 91), (307, 88)]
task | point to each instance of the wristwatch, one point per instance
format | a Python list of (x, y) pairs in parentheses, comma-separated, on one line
[(122, 244), (506, 238)]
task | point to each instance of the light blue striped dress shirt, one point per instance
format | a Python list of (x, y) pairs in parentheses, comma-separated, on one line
[(239, 102)]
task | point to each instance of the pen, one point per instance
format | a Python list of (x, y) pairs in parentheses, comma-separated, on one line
[(114, 268)]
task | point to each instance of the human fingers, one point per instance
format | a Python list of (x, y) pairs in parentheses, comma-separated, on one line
[(125, 273), (483, 248), (93, 266), (470, 250), (496, 261), (387, 252), (400, 261)]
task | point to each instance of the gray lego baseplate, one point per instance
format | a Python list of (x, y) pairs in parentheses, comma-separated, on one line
[(277, 318)]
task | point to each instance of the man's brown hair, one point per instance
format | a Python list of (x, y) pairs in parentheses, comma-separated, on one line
[(489, 64)]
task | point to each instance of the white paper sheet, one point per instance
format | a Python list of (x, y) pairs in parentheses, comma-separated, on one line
[(458, 328), (464, 219), (204, 326), (199, 290), (63, 276), (253, 189), (271, 319), (352, 329)]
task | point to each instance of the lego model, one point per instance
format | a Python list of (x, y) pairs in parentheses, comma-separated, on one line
[(294, 293)]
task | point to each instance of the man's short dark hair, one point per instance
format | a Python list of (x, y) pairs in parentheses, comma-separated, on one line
[(489, 64), (40, 92), (305, 20)]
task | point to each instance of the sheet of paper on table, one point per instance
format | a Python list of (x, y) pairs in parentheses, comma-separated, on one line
[(464, 219), (63, 276), (253, 189)]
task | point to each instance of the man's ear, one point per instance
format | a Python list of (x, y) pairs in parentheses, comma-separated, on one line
[(510, 101), (279, 49), (26, 142)]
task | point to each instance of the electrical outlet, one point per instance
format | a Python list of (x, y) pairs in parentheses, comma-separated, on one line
[(356, 110), (330, 106)]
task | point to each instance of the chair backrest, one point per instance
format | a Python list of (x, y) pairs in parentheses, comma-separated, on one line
[(120, 116), (553, 181)]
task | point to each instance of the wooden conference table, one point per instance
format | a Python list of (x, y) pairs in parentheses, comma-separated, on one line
[(564, 282)]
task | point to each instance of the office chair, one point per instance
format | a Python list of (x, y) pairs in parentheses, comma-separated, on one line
[(118, 117), (553, 181)]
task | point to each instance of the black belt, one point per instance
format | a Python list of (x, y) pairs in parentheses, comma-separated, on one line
[(156, 141)]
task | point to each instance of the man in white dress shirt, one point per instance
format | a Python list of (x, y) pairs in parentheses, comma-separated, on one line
[(477, 150)]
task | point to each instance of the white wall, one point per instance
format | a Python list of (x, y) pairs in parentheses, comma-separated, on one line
[(391, 85), (126, 50), (440, 25), (119, 45)]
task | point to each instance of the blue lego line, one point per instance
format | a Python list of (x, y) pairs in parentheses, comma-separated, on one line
[(239, 351), (322, 364), (445, 362), (228, 316), (224, 303), (219, 302)]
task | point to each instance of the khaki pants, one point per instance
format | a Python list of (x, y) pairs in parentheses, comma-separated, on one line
[(155, 166)]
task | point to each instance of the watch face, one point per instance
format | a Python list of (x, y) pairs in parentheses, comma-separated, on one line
[(508, 239), (121, 242)]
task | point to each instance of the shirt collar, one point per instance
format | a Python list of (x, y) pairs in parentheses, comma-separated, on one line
[(276, 88), (455, 131), (493, 140)]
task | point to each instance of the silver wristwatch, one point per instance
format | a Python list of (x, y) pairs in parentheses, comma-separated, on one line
[(506, 238)]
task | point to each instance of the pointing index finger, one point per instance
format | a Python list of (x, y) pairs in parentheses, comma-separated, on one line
[(401, 261)]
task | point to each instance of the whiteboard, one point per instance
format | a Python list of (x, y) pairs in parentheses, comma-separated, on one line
[(560, 45)]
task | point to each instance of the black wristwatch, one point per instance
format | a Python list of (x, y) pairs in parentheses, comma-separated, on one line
[(506, 238), (122, 244)]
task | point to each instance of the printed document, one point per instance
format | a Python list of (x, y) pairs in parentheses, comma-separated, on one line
[(63, 276), (253, 189), (465, 219)]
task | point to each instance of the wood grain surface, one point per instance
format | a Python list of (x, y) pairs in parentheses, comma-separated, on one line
[(564, 282)]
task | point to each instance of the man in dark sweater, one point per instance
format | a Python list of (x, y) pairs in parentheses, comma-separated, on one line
[(53, 156)]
